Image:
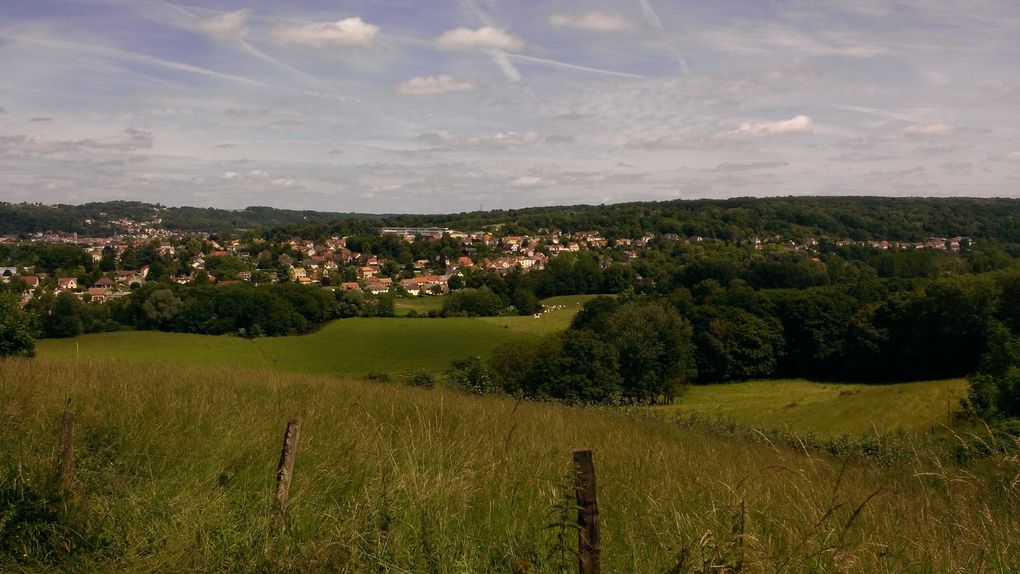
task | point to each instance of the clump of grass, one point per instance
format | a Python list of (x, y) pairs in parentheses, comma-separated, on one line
[(175, 470)]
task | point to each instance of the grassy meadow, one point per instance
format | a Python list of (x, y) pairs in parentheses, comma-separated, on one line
[(348, 347), (359, 347), (827, 409), (175, 467)]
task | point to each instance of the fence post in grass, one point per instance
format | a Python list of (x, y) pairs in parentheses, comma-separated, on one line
[(65, 467), (286, 468), (589, 559)]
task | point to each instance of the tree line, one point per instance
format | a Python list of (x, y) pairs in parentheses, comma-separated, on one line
[(646, 347)]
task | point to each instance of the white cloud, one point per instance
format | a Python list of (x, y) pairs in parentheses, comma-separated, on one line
[(228, 26), (253, 176), (515, 138), (796, 124), (733, 167), (347, 33), (598, 21), (498, 140), (429, 85), (937, 129), (284, 182), (527, 181), (484, 38)]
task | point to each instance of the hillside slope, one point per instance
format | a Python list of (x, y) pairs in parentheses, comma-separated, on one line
[(174, 470)]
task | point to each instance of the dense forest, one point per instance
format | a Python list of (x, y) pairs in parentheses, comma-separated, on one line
[(859, 218)]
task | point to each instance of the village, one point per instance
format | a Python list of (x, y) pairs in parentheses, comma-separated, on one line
[(186, 257)]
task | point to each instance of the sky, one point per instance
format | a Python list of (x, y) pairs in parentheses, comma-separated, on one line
[(412, 106)]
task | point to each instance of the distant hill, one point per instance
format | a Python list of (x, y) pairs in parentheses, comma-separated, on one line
[(859, 218), (109, 217)]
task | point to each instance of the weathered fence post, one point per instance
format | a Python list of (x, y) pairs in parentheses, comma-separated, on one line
[(286, 468), (65, 470), (589, 559)]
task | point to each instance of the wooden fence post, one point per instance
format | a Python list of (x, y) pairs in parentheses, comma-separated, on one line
[(285, 470), (65, 470), (589, 559)]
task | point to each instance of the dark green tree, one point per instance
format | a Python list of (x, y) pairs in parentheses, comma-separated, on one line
[(17, 329), (655, 349)]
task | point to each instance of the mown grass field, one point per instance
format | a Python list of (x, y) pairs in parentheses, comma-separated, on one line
[(405, 305), (348, 347), (828, 409), (175, 466)]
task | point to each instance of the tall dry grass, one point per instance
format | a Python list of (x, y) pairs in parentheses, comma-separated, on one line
[(175, 470)]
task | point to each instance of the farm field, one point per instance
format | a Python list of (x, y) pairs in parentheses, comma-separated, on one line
[(827, 409), (174, 470), (353, 347)]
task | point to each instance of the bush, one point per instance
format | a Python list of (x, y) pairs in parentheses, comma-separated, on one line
[(472, 376), (420, 379)]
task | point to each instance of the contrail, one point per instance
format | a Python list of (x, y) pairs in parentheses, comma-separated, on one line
[(135, 57), (505, 64), (267, 58), (252, 50), (579, 68), (498, 56), (653, 19), (650, 15)]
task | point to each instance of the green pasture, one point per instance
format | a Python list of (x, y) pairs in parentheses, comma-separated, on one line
[(828, 409), (345, 347)]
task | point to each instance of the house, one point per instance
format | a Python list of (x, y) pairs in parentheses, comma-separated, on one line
[(350, 286), (98, 294), (104, 283), (67, 283), (130, 278), (411, 286), (32, 281)]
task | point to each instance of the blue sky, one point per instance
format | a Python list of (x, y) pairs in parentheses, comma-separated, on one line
[(448, 105)]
